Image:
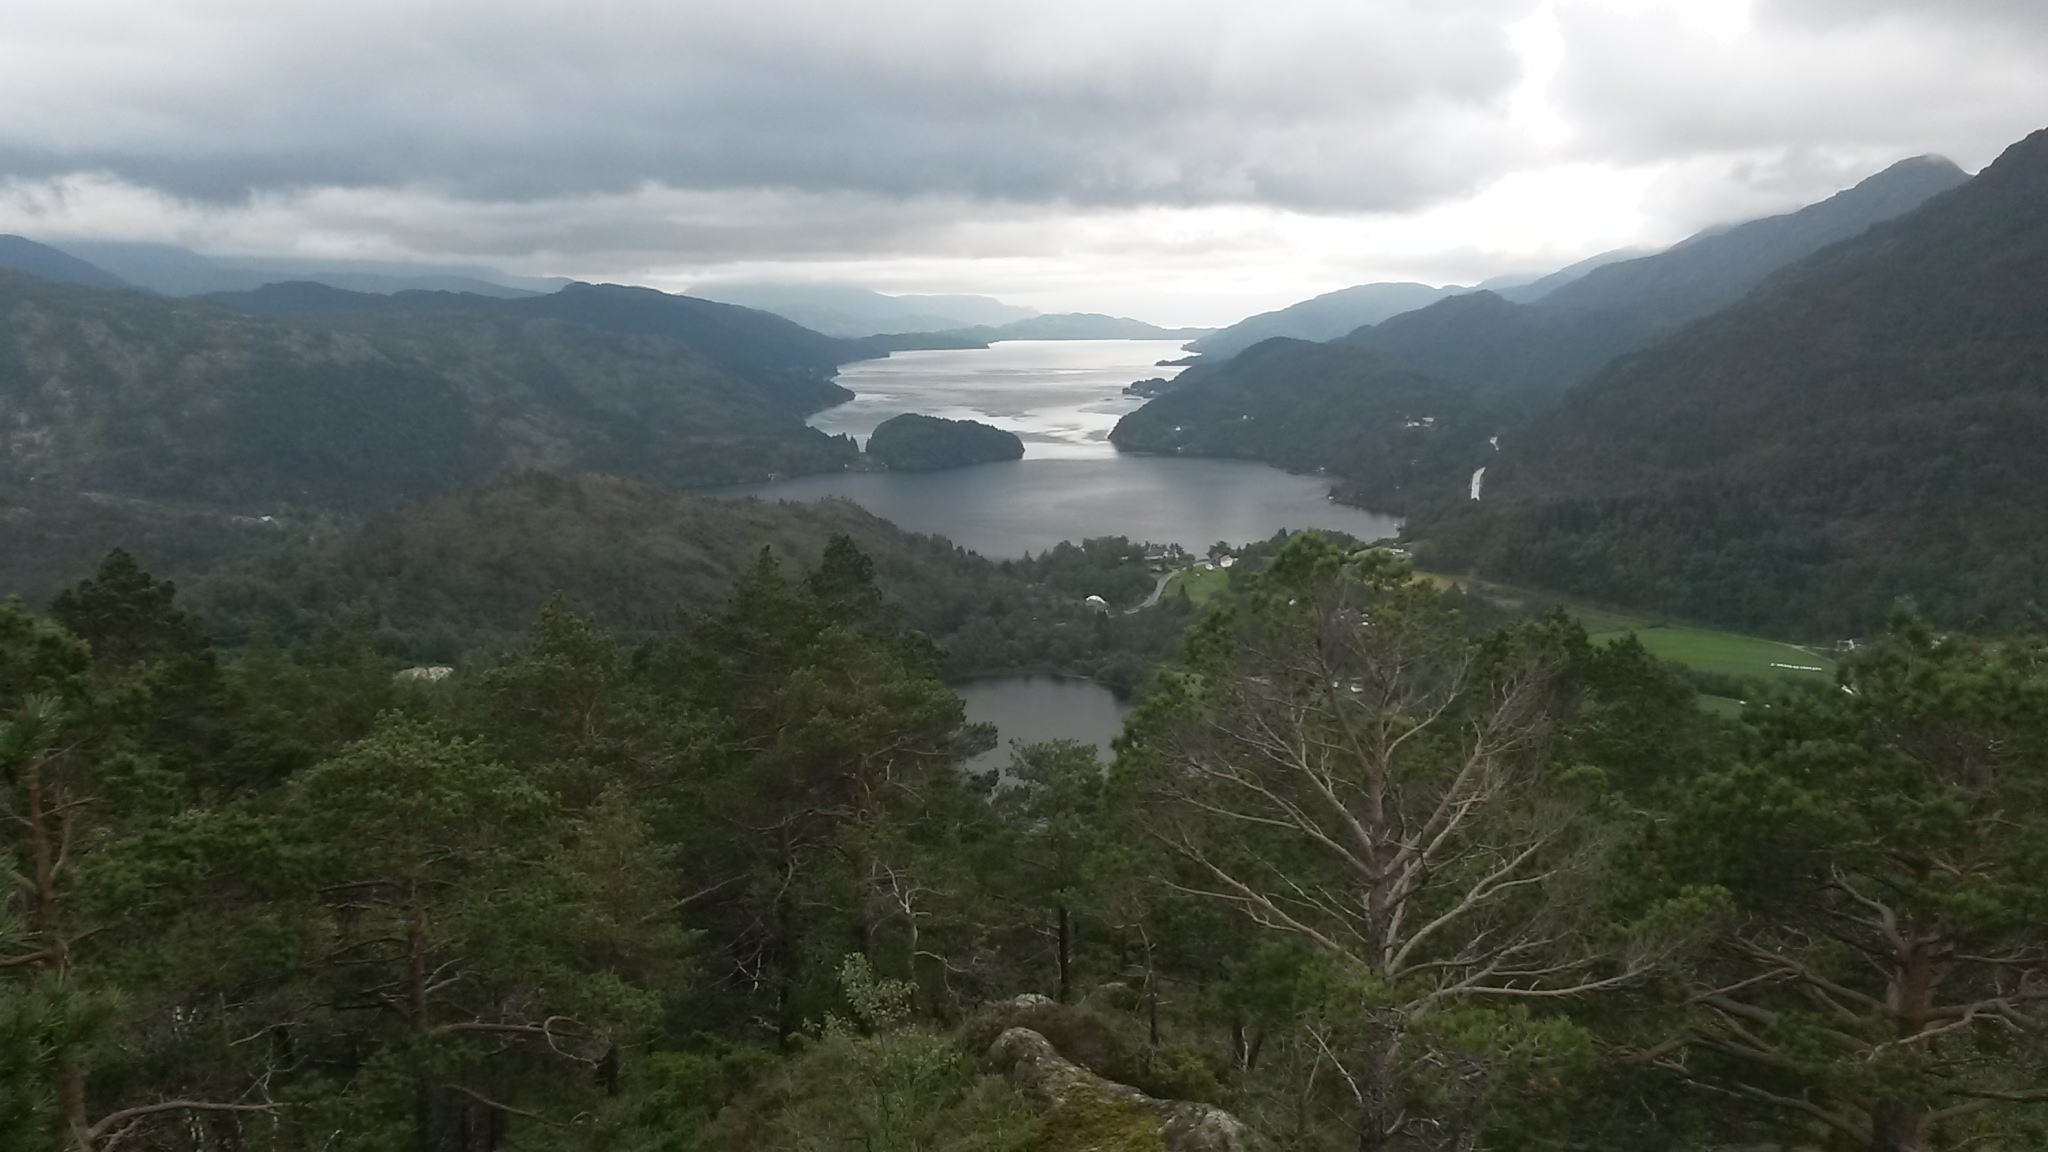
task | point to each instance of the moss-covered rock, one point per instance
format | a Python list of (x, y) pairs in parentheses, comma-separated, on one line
[(1086, 1113)]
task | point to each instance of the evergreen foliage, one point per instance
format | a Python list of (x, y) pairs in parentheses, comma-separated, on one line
[(917, 443), (463, 575), (724, 885)]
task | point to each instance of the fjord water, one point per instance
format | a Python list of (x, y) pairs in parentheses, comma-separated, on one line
[(1061, 397)]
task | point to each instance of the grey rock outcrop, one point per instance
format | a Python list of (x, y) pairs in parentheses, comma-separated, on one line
[(1089, 1105)]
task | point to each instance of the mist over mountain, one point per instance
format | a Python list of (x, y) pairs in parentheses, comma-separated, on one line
[(1867, 423), (1714, 268), (846, 310), (20, 254), (1338, 313), (1323, 317), (1524, 290), (174, 271), (1573, 329)]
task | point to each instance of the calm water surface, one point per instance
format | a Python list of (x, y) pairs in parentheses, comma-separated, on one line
[(1061, 397), (1028, 709)]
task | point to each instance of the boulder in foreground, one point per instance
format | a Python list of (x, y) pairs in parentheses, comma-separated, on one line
[(1087, 1113)]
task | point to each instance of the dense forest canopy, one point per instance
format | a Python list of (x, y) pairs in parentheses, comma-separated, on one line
[(1364, 873), (913, 442), (462, 575)]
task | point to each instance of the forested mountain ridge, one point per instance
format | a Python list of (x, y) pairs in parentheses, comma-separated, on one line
[(1392, 432), (20, 254), (462, 574), (1573, 330), (794, 364), (1866, 424), (125, 412), (155, 398)]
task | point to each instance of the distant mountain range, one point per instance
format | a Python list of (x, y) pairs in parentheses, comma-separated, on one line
[(1053, 326), (20, 254), (1478, 361), (845, 310), (1334, 314), (1324, 317), (173, 271)]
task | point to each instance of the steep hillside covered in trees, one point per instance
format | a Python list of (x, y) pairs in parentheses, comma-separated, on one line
[(460, 576), (180, 426), (1867, 424), (724, 887), (1393, 433)]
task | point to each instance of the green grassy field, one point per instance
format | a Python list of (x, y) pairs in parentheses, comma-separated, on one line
[(1201, 584), (1701, 649), (1722, 652)]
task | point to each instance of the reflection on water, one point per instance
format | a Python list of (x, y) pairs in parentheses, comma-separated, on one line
[(1028, 505), (1061, 397), (1029, 709)]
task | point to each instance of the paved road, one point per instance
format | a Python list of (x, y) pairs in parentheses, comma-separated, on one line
[(1158, 590)]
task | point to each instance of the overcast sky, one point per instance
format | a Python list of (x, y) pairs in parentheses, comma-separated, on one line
[(1186, 161)]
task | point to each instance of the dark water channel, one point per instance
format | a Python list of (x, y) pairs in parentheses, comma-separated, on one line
[(1029, 709)]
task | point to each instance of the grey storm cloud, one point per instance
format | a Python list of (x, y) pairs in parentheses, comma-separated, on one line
[(1809, 79), (1231, 148), (1353, 106)]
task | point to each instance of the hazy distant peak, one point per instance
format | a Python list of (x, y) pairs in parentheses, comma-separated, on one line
[(1325, 317), (1524, 290), (850, 310), (24, 255), (175, 271), (1716, 266)]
